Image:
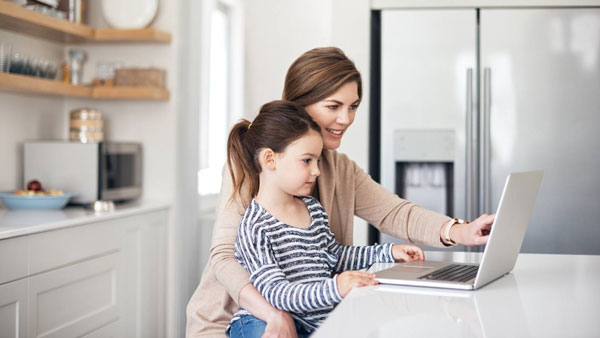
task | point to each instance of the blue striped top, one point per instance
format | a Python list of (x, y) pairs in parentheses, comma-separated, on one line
[(294, 268)]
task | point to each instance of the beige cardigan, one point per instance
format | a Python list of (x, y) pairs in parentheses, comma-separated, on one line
[(345, 190)]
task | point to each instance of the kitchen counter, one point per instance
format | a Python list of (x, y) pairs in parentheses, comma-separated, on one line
[(22, 222), (544, 296)]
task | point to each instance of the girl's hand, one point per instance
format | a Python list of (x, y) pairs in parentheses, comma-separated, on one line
[(350, 279), (407, 253), (280, 324)]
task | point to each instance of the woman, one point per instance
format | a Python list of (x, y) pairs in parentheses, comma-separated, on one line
[(328, 85)]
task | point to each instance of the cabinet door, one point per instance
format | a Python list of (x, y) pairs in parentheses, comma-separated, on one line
[(13, 259), (75, 300), (144, 259), (426, 56), (13, 309)]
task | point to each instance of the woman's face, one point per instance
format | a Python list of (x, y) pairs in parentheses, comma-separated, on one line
[(335, 114)]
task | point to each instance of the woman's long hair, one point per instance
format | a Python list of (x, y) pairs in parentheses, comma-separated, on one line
[(317, 74), (278, 124)]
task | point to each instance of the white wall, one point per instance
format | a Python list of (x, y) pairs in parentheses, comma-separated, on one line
[(277, 32)]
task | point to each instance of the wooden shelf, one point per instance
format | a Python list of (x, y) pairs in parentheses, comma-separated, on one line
[(28, 84), (16, 18), (130, 93)]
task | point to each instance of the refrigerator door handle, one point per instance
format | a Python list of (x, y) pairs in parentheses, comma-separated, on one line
[(485, 139), (469, 156)]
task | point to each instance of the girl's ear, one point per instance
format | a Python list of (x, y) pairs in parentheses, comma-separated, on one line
[(266, 157)]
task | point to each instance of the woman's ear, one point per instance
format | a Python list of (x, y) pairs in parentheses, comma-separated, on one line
[(266, 157)]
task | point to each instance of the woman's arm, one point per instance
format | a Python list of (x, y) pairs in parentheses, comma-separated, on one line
[(391, 214), (223, 262), (401, 218), (231, 274), (279, 323)]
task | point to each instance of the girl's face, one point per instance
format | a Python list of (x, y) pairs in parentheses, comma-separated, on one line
[(296, 169), (335, 114)]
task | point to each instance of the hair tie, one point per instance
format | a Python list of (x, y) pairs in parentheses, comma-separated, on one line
[(250, 125)]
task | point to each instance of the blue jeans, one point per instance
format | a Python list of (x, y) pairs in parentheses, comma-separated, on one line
[(251, 327)]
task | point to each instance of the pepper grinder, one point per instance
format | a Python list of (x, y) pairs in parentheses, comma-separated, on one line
[(76, 59)]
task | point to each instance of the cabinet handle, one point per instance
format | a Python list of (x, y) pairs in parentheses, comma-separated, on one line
[(469, 165)]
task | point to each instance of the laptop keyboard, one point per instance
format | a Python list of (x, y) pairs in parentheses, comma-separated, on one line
[(453, 273)]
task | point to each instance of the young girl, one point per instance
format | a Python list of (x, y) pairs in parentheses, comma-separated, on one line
[(284, 240)]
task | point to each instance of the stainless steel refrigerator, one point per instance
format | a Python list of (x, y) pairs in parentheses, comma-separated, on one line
[(463, 97)]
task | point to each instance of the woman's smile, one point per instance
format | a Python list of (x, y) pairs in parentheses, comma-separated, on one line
[(335, 132)]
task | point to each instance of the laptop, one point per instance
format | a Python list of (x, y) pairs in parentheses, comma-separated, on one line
[(500, 254)]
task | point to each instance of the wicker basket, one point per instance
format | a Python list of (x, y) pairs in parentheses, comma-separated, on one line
[(140, 77)]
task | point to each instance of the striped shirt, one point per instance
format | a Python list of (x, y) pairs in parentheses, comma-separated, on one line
[(294, 268)]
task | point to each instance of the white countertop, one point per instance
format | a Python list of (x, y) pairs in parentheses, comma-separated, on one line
[(544, 296), (22, 222)]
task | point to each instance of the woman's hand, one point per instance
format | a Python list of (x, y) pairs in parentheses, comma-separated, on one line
[(407, 253), (280, 324), (351, 279), (474, 233)]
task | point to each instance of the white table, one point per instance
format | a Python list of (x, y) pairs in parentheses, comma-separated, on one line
[(544, 296)]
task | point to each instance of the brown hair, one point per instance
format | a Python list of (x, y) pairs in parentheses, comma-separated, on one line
[(318, 73), (278, 124)]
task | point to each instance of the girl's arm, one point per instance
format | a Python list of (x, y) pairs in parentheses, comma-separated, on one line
[(295, 297), (351, 257), (359, 257)]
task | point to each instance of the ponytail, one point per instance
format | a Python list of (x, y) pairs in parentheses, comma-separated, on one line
[(240, 160)]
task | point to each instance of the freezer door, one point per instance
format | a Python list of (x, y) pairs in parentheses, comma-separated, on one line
[(427, 83), (541, 84)]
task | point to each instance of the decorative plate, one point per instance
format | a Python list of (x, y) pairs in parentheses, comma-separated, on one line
[(129, 14)]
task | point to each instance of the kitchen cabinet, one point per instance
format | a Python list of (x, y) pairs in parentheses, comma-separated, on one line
[(98, 279)]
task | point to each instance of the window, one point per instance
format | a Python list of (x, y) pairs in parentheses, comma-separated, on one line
[(223, 93)]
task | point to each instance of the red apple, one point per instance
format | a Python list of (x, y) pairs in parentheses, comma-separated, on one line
[(34, 185)]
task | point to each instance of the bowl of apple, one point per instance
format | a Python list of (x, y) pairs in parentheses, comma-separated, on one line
[(35, 197)]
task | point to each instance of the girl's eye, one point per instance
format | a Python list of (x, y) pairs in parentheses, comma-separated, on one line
[(354, 107), (333, 107), (306, 160)]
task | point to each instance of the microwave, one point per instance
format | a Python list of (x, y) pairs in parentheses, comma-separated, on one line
[(91, 171)]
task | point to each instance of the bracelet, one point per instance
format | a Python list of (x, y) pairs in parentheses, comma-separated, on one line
[(446, 239)]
